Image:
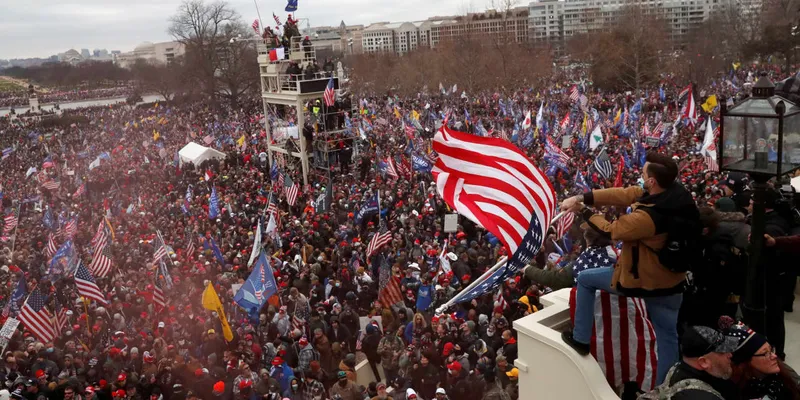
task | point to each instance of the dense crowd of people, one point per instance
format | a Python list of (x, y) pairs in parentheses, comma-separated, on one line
[(20, 98), (153, 338)]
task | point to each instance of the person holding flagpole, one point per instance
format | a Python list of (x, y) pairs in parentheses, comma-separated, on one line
[(639, 272)]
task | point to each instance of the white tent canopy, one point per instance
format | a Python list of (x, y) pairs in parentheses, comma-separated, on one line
[(196, 154)]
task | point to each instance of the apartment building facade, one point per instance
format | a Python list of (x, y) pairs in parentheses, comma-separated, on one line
[(402, 37), (556, 20)]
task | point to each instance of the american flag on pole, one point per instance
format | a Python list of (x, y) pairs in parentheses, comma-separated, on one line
[(492, 183), (330, 93), (277, 20), (563, 224), (574, 94), (290, 189), (190, 246), (80, 191), (87, 286), (380, 238), (61, 317), (71, 228), (390, 285), (272, 206), (160, 250), (158, 295), (624, 340), (51, 248), (391, 170), (36, 318), (255, 26), (101, 260), (51, 185), (564, 124), (100, 237)]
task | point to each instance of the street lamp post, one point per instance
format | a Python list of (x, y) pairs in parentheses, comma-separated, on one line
[(759, 136)]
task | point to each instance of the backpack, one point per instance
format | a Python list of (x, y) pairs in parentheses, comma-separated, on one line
[(665, 391), (683, 248)]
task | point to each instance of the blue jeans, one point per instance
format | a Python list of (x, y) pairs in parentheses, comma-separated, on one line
[(662, 312)]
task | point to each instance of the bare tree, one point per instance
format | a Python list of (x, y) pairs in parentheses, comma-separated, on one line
[(164, 79), (200, 27)]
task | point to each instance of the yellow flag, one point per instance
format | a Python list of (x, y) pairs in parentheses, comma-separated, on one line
[(110, 228), (156, 135), (240, 142), (736, 65), (583, 127), (397, 113), (155, 105), (710, 104), (618, 116), (415, 115), (211, 302)]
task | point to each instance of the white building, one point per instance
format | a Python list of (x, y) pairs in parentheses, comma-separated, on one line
[(160, 53), (402, 37), (560, 19)]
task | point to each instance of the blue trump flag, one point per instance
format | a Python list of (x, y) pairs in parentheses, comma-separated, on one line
[(19, 292), (291, 6), (369, 208), (213, 204), (258, 287), (420, 163), (62, 262)]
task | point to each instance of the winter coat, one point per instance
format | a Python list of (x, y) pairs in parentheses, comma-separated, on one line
[(642, 234), (390, 348)]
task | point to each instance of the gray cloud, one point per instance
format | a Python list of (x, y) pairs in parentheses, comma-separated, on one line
[(40, 28)]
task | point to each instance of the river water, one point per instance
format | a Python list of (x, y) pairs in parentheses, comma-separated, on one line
[(84, 103)]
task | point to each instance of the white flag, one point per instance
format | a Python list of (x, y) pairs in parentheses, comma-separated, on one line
[(540, 116), (256, 245), (596, 138), (527, 123)]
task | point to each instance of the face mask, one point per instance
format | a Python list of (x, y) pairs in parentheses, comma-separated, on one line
[(294, 387)]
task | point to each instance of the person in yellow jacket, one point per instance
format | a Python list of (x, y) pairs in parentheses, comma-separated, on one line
[(638, 272)]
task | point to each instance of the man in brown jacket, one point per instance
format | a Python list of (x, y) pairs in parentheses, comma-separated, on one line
[(638, 272)]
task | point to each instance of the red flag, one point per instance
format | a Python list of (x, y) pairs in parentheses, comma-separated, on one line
[(618, 179)]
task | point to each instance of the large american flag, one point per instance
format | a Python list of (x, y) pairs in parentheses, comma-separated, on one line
[(330, 93), (380, 238), (290, 189), (390, 285), (390, 168), (87, 287), (101, 260), (623, 340), (36, 318), (492, 183)]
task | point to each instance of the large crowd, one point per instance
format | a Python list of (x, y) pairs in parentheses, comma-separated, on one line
[(19, 99), (154, 339)]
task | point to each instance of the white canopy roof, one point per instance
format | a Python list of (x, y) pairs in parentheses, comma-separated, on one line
[(196, 154)]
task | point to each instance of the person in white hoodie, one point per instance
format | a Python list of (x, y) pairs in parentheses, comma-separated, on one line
[(411, 394)]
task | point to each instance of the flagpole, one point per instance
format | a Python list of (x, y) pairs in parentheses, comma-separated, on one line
[(14, 242), (259, 16), (474, 283)]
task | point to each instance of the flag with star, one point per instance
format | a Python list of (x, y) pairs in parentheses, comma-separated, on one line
[(592, 257)]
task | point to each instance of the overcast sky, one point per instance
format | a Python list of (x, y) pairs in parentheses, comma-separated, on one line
[(41, 28)]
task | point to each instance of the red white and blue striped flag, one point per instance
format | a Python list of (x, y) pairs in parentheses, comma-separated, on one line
[(330, 93), (36, 318), (87, 286), (491, 182)]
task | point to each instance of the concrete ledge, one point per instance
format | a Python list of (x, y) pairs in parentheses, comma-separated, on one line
[(548, 368)]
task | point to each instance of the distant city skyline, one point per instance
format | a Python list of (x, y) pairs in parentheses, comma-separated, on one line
[(39, 28)]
